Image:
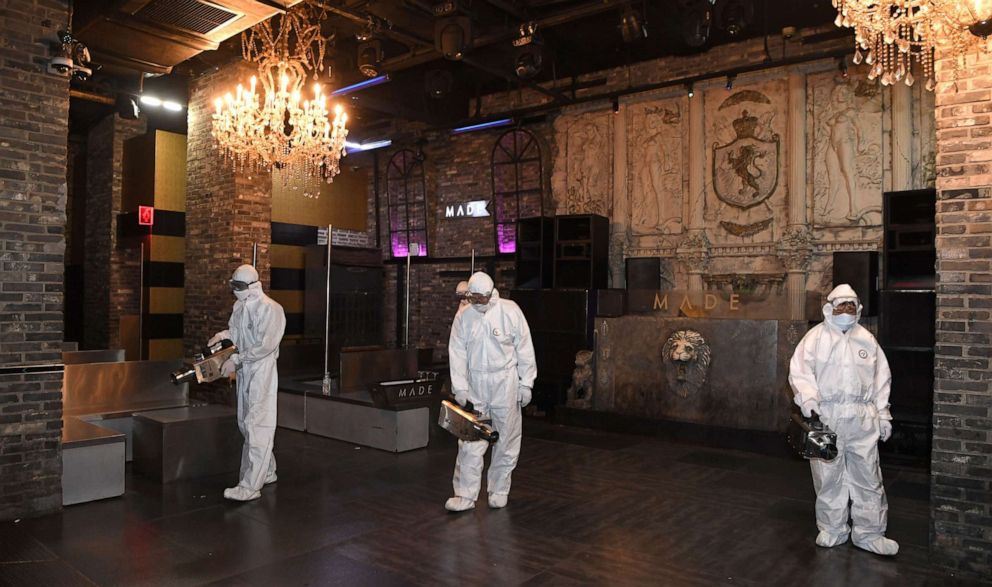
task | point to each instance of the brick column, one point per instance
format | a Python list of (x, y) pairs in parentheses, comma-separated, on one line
[(226, 211), (111, 273), (961, 482), (33, 134)]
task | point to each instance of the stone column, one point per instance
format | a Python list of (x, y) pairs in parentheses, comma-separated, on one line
[(694, 251), (620, 222), (226, 211), (902, 137), (796, 241)]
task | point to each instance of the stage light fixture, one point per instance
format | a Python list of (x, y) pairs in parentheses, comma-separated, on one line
[(842, 66), (689, 89), (616, 105), (734, 16), (453, 36), (697, 21), (438, 83), (632, 27), (370, 57)]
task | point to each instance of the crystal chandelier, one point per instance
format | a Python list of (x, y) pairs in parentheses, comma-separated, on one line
[(890, 35), (275, 128)]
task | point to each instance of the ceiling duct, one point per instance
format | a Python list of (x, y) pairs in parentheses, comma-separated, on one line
[(154, 35)]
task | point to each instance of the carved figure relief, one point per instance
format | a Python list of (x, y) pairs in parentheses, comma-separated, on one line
[(583, 178), (580, 391), (686, 357), (746, 166), (656, 166), (846, 116)]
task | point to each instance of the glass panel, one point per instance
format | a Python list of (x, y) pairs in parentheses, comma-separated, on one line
[(397, 218), (530, 204), (506, 237), (420, 237), (398, 241), (530, 175), (417, 216)]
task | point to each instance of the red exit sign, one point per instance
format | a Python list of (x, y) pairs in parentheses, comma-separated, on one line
[(146, 215)]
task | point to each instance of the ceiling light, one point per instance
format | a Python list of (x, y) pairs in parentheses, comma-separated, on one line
[(528, 60), (697, 20), (616, 105), (150, 100), (367, 146), (173, 106), (361, 85), (734, 16), (483, 126), (689, 88)]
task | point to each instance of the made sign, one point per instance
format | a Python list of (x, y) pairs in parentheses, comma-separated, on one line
[(475, 209)]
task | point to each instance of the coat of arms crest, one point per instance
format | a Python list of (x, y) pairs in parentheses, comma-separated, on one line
[(745, 170)]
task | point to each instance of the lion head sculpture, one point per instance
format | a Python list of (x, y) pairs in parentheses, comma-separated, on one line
[(687, 360), (580, 392)]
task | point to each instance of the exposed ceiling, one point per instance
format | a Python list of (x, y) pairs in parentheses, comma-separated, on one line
[(576, 37)]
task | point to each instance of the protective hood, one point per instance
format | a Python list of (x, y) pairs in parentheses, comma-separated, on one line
[(481, 283), (245, 273), (461, 289), (840, 294)]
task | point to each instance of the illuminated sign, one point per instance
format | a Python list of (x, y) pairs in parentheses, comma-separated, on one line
[(146, 215), (474, 209)]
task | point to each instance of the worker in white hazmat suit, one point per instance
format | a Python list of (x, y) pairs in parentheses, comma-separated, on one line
[(840, 372), (493, 366), (256, 328)]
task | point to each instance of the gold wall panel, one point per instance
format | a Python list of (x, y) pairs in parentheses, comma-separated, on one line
[(168, 248), (291, 300), (287, 256), (343, 203), (166, 300), (170, 171), (161, 349)]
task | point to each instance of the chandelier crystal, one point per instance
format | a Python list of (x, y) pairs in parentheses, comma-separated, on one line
[(274, 127), (891, 35)]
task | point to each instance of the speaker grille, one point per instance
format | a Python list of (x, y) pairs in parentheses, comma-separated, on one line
[(190, 15)]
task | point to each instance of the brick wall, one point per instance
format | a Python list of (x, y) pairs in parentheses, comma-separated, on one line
[(961, 482), (33, 130), (226, 211), (111, 273)]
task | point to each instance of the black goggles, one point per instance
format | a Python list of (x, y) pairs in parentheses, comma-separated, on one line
[(240, 285)]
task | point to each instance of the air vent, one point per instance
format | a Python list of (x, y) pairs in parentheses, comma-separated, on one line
[(189, 15)]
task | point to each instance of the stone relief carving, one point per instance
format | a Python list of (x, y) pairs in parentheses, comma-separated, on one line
[(694, 252), (746, 166), (583, 176), (795, 247), (656, 166), (686, 356), (846, 141), (580, 391)]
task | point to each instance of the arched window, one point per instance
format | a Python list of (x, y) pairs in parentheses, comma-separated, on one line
[(518, 184), (406, 198)]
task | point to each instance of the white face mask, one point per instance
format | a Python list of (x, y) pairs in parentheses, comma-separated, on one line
[(242, 295), (481, 308), (844, 321)]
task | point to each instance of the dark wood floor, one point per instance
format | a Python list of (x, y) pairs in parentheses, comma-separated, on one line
[(587, 508)]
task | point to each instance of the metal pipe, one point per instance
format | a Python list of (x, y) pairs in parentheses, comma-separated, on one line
[(473, 262), (406, 306), (254, 254), (141, 300), (92, 97), (326, 387)]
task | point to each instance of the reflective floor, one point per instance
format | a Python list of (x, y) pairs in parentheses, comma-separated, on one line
[(587, 508)]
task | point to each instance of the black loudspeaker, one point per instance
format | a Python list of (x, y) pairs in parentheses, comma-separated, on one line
[(535, 253), (860, 271), (644, 273), (582, 248), (907, 319)]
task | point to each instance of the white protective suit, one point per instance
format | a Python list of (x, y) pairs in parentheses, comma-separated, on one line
[(493, 366), (843, 375), (256, 327)]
